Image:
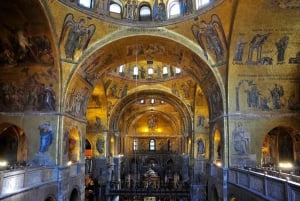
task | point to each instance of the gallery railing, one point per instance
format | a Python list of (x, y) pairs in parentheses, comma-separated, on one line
[(16, 180), (268, 184), (26, 178)]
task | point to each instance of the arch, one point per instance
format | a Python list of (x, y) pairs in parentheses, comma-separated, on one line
[(217, 149), (50, 198), (120, 106), (13, 144), (75, 195), (115, 9), (170, 162), (100, 58), (88, 148), (174, 9), (197, 68), (281, 145), (74, 145), (120, 110), (111, 146), (88, 144), (233, 198), (145, 11)]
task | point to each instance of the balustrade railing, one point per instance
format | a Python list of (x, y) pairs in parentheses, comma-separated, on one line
[(266, 183), (25, 178), (15, 180)]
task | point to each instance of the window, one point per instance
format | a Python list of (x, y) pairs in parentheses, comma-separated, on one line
[(135, 73), (177, 71), (174, 9), (152, 101), (115, 8), (150, 71), (152, 145), (86, 3), (122, 70), (201, 3), (135, 70), (165, 70), (135, 145), (145, 11)]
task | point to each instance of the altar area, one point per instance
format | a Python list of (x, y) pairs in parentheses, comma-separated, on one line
[(151, 179)]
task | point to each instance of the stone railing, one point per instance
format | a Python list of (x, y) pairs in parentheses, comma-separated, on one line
[(17, 180), (269, 185)]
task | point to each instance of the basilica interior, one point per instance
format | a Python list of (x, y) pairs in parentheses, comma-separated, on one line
[(150, 100)]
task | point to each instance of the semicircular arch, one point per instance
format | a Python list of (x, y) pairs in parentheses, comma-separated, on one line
[(173, 125), (170, 98), (127, 46)]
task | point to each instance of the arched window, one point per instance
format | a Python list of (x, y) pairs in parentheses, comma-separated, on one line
[(122, 70), (86, 3), (74, 195), (115, 10), (135, 145), (73, 145), (165, 71), (145, 13), (13, 145), (177, 71), (88, 148), (173, 9), (152, 145), (135, 72), (201, 3)]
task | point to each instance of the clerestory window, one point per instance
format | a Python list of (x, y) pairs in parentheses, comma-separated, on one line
[(135, 144), (152, 145), (86, 3), (145, 13), (115, 8), (174, 9), (201, 3)]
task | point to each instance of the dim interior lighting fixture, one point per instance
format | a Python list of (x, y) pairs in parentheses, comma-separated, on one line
[(285, 165), (69, 163), (218, 163)]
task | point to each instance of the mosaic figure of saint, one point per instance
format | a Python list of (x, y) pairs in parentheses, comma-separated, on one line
[(281, 46), (239, 51), (201, 147), (76, 35), (241, 139), (46, 136), (211, 37)]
